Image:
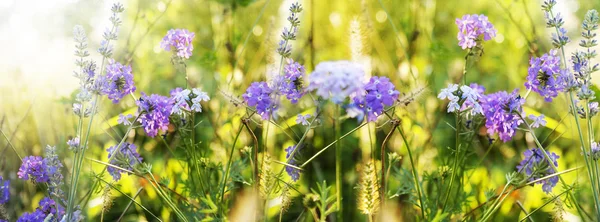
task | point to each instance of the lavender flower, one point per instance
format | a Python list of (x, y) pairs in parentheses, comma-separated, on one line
[(53, 169), (34, 167), (118, 81), (593, 109), (4, 190), (291, 171), (46, 207), (290, 84), (471, 29), (125, 157), (303, 119), (124, 119), (180, 40), (154, 111), (536, 166), (595, 151), (545, 76), (74, 144), (259, 95), (502, 111), (337, 80)]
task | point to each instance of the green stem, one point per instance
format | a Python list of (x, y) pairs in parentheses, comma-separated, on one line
[(457, 145), (338, 164), (229, 162), (414, 172)]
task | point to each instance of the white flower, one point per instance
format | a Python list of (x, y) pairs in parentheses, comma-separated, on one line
[(448, 92)]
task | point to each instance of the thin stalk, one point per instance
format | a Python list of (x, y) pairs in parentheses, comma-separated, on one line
[(457, 145), (229, 162), (338, 164), (383, 173), (492, 209), (414, 172)]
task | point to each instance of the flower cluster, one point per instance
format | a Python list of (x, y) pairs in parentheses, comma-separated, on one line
[(34, 167), (47, 207), (593, 110), (291, 171), (545, 75), (118, 81), (74, 144), (471, 28), (4, 190), (502, 112), (154, 112), (259, 95), (537, 166), (290, 84), (53, 169), (379, 92), (126, 156), (338, 80), (180, 40), (184, 97), (469, 96)]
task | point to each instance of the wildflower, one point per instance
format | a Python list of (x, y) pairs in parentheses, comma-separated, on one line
[(380, 92), (126, 157), (118, 81), (290, 84), (463, 98), (354, 110), (593, 110), (47, 208), (197, 97), (183, 98), (77, 110), (595, 151), (259, 95), (53, 169), (473, 28), (124, 119), (74, 144), (154, 112), (34, 167), (294, 173), (545, 76), (180, 40), (536, 166), (537, 120), (337, 80), (448, 92), (502, 111), (4, 190), (303, 119)]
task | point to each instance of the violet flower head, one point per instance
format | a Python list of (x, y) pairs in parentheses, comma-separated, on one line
[(535, 166), (46, 207), (537, 120), (125, 157), (501, 111), (290, 84), (179, 40), (154, 111), (74, 144), (259, 95), (53, 169), (4, 190), (118, 81), (303, 119), (34, 168), (595, 151), (380, 92), (291, 171), (545, 76), (338, 80), (124, 119), (472, 29)]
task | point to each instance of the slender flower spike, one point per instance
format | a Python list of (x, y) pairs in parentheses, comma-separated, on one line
[(125, 157), (595, 151), (545, 76), (4, 190), (74, 144), (338, 80), (118, 81), (34, 168), (502, 111), (179, 40), (291, 171), (259, 95), (154, 111), (303, 119), (472, 29), (536, 166), (537, 121)]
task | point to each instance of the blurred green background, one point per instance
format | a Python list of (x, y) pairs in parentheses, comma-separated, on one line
[(235, 45)]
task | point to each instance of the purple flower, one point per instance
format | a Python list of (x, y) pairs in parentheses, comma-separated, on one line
[(118, 81), (4, 190), (180, 40), (74, 144), (291, 171), (537, 120), (53, 168), (537, 166), (472, 28), (35, 216), (34, 167), (545, 76), (125, 157), (46, 207), (259, 95), (501, 111), (303, 119), (338, 80), (154, 111), (124, 119), (380, 92), (290, 84)]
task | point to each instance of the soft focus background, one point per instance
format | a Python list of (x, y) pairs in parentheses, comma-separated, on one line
[(37, 62)]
